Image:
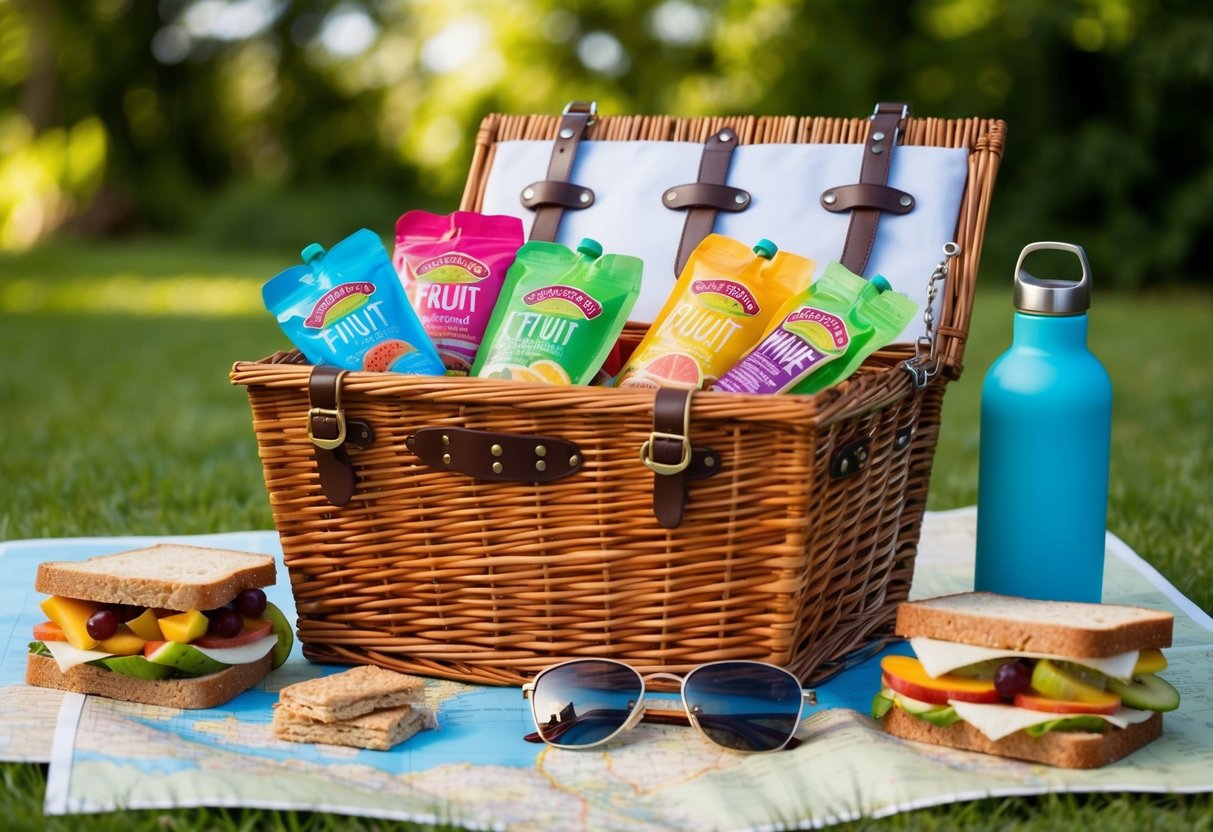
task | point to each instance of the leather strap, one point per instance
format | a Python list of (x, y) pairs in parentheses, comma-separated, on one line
[(707, 195), (880, 197), (331, 432), (490, 455), (577, 117), (670, 456), (565, 194), (877, 159)]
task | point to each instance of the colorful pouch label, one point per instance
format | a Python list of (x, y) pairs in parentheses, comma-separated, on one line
[(559, 315), (452, 268), (719, 307), (346, 308)]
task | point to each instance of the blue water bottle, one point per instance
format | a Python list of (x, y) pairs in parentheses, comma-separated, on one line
[(1046, 430)]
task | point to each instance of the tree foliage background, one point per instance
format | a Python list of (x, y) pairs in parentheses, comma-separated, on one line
[(271, 123)]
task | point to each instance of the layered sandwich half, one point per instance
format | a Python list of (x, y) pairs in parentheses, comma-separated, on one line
[(181, 626), (1066, 684)]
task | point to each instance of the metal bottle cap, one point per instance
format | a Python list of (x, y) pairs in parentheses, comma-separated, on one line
[(1046, 296)]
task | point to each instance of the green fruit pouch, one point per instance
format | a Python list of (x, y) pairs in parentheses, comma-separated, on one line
[(559, 313), (821, 335), (346, 308), (720, 305), (452, 268)]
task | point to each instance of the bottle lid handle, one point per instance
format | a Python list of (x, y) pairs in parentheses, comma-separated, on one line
[(1047, 296)]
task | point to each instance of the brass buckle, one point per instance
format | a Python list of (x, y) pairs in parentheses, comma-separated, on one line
[(590, 108), (335, 413), (664, 468)]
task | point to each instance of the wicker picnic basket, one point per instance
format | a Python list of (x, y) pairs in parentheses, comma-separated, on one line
[(795, 550)]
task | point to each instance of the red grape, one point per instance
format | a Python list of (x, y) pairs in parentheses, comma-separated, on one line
[(251, 603), (225, 623), (102, 624), (1012, 677)]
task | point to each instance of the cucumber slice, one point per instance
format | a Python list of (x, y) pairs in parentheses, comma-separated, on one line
[(186, 658), (1146, 692), (136, 667), (943, 717), (881, 705), (285, 632)]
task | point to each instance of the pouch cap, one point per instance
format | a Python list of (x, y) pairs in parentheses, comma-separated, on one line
[(1049, 296)]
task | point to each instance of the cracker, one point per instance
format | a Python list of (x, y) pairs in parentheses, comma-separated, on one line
[(378, 731), (351, 693)]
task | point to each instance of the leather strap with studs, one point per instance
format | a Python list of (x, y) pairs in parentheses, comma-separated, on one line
[(331, 432), (872, 194), (707, 195), (549, 197), (494, 456)]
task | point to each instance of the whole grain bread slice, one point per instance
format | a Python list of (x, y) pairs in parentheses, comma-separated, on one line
[(1065, 749), (351, 693), (169, 576), (1008, 622), (198, 692)]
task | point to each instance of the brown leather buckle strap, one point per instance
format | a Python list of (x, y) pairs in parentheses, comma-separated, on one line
[(668, 453), (550, 197), (330, 431), (490, 455), (869, 200), (707, 195)]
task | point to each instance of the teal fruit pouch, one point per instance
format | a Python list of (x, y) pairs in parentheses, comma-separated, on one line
[(346, 308), (453, 268), (821, 335), (559, 313)]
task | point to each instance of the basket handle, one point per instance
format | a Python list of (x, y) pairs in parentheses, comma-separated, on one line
[(495, 456)]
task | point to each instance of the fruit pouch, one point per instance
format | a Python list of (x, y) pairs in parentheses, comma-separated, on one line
[(559, 313), (452, 268), (719, 307), (821, 335), (346, 308)]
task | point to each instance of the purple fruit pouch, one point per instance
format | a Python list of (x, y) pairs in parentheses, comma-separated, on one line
[(346, 308), (452, 268), (820, 336)]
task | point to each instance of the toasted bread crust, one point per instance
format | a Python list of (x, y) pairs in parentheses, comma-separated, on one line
[(1064, 749), (1066, 628), (168, 576), (200, 692)]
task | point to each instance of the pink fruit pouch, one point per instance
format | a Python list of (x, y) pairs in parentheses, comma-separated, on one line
[(452, 268)]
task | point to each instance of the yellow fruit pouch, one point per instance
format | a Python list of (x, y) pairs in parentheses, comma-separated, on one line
[(719, 308)]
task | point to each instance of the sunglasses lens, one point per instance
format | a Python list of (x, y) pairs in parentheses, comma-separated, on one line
[(745, 706), (584, 702)]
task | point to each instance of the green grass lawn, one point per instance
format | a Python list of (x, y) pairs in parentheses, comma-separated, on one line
[(117, 417)]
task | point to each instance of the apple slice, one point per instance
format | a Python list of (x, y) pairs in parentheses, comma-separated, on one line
[(1052, 681), (1034, 702), (907, 676)]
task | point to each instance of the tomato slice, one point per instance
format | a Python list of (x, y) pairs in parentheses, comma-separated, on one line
[(49, 631), (1034, 702)]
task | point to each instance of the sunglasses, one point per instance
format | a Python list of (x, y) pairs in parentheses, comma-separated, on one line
[(746, 706)]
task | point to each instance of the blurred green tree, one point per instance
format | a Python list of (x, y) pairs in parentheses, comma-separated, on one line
[(267, 122)]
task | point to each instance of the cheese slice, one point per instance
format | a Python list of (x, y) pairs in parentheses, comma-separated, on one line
[(244, 654), (940, 657), (68, 657), (998, 721)]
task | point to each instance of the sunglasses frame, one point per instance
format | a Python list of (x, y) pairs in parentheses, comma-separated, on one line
[(640, 713)]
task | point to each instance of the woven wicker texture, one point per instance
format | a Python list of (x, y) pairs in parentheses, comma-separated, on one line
[(431, 572)]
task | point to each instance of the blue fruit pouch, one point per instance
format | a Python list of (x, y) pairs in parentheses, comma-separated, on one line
[(346, 308)]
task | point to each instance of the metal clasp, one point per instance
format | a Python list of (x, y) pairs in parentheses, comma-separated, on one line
[(588, 107), (336, 414), (665, 468)]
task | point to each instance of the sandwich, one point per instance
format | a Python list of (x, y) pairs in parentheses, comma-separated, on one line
[(1067, 684), (173, 625)]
